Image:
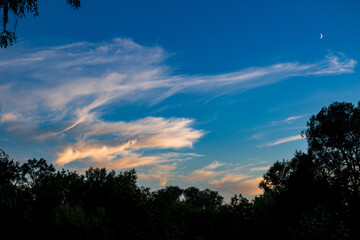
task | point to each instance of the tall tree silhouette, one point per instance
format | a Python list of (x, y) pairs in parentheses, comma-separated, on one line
[(333, 136), (334, 139)]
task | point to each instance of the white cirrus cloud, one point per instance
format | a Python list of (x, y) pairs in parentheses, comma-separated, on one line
[(289, 119), (81, 77), (57, 95), (285, 140)]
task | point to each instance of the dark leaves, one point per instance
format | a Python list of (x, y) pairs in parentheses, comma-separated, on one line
[(15, 9)]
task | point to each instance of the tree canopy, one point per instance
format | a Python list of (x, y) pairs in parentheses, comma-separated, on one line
[(333, 137)]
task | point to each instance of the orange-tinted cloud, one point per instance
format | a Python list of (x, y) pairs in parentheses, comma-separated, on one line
[(247, 187), (206, 172), (202, 174), (148, 133), (8, 117), (229, 178), (160, 172)]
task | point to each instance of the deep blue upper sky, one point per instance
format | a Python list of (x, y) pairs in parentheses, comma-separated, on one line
[(209, 36), (204, 93)]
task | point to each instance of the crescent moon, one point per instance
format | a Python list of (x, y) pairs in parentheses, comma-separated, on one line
[(321, 36)]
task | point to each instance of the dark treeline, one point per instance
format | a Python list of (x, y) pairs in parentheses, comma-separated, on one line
[(314, 195)]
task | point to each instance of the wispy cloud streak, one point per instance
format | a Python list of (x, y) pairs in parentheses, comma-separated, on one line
[(58, 94), (285, 140), (289, 119), (230, 178), (207, 172), (87, 76)]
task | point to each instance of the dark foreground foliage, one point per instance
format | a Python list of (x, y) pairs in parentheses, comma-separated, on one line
[(314, 195)]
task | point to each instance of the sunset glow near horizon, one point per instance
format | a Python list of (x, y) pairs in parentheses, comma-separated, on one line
[(189, 93)]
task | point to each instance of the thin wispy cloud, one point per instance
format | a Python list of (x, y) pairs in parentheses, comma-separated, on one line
[(278, 126), (92, 75), (285, 140), (257, 136), (207, 172), (289, 119), (230, 178), (58, 95), (214, 165), (259, 169)]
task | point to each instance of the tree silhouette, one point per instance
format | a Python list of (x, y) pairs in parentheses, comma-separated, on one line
[(326, 177), (334, 138), (205, 199), (320, 224), (15, 9)]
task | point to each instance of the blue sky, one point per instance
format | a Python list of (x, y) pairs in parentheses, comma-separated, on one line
[(190, 93)]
